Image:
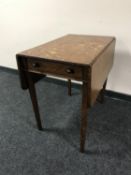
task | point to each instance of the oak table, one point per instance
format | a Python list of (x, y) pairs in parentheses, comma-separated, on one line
[(76, 57)]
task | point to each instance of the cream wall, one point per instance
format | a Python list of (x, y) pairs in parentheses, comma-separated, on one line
[(27, 23)]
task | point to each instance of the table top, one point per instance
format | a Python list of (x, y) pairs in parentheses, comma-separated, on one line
[(78, 49)]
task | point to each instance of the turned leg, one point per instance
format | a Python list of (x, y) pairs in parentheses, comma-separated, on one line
[(33, 96), (83, 117), (69, 87)]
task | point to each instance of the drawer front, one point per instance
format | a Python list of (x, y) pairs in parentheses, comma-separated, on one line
[(55, 68)]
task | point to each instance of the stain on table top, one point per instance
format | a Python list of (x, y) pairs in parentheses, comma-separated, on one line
[(78, 49)]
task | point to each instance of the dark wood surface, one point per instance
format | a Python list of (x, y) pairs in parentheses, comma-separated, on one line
[(78, 49), (100, 70), (80, 57), (69, 87), (33, 96), (55, 68)]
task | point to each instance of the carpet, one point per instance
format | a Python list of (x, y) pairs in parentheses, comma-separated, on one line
[(24, 150)]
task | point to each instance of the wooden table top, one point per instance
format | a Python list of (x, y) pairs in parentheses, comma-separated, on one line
[(78, 49)]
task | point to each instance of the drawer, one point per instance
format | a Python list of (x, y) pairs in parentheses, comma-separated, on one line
[(55, 68)]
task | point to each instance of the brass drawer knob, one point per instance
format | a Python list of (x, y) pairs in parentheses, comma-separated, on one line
[(69, 71), (36, 65)]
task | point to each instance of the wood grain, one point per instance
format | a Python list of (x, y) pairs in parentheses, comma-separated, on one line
[(78, 49), (80, 57), (100, 70), (21, 63), (55, 68)]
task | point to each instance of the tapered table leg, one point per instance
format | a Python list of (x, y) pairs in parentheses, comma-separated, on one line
[(83, 117), (102, 93), (69, 87), (33, 96)]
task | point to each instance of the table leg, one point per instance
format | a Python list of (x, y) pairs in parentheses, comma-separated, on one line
[(69, 87), (83, 117), (102, 92), (33, 96)]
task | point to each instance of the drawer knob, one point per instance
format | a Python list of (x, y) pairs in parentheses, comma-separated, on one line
[(35, 65), (69, 70)]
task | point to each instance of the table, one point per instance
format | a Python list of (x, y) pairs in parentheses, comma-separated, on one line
[(84, 58)]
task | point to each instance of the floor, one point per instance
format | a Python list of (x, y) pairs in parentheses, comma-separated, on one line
[(55, 151)]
